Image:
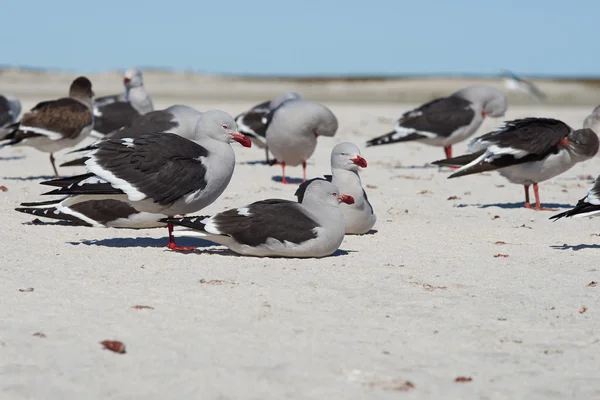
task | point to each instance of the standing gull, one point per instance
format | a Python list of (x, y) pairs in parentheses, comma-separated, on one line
[(447, 120), (275, 227), (114, 112), (56, 124), (132, 77), (526, 152), (254, 123), (10, 109), (587, 207), (178, 119), (293, 131), (162, 173), (97, 211), (345, 162)]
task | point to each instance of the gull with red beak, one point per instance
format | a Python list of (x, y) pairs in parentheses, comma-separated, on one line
[(160, 172), (526, 152), (276, 227), (113, 112), (54, 125), (447, 120), (345, 163)]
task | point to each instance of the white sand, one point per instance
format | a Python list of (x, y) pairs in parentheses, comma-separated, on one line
[(423, 300)]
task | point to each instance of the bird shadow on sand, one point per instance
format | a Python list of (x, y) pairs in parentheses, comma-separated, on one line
[(11, 158), (511, 206), (229, 253), (256, 162), (51, 223), (576, 247), (426, 166), (29, 178), (143, 242), (199, 244), (371, 232), (294, 181)]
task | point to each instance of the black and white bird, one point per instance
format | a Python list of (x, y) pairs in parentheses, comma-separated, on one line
[(161, 173), (275, 227), (56, 124), (178, 119), (254, 122), (116, 111), (10, 109), (587, 207), (526, 152), (345, 163), (293, 131), (515, 83), (448, 120), (97, 211)]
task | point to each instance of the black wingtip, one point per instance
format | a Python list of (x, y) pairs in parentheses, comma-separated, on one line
[(54, 192), (62, 182), (78, 162)]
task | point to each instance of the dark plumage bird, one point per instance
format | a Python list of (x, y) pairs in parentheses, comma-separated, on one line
[(447, 120), (10, 109), (114, 112), (159, 173), (276, 227), (56, 124), (254, 122), (526, 152), (586, 207)]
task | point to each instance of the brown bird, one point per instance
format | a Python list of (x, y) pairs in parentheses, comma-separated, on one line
[(56, 124)]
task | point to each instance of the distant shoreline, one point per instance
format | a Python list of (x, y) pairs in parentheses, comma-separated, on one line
[(182, 87), (365, 77)]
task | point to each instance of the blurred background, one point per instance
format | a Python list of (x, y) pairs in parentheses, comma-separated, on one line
[(328, 50)]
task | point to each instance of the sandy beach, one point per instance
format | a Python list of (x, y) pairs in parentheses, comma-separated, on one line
[(458, 282)]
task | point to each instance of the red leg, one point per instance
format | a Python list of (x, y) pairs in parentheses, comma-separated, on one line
[(448, 151), (172, 244), (538, 206), (303, 171), (527, 204), (283, 180)]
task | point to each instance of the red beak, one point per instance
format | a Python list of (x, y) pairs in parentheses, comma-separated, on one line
[(126, 80), (358, 160), (344, 198), (564, 141), (242, 139), (483, 114)]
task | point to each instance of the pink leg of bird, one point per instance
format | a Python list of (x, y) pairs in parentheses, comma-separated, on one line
[(283, 180), (448, 151), (527, 204), (172, 244), (538, 206), (303, 171)]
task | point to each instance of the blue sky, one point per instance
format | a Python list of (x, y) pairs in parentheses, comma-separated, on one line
[(306, 37)]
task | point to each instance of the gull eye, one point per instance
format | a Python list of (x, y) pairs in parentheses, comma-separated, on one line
[(224, 126), (334, 194), (343, 154)]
